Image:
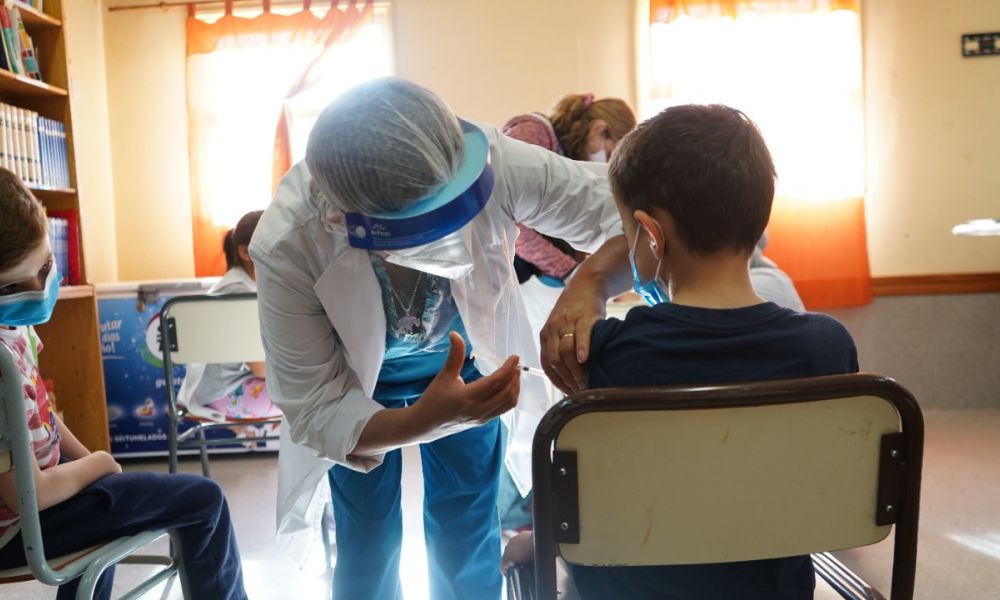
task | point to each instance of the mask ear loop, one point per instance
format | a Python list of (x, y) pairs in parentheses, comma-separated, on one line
[(659, 261)]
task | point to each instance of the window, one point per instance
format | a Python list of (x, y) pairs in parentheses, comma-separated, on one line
[(796, 74), (248, 71)]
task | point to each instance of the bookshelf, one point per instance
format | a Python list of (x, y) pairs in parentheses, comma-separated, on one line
[(72, 353)]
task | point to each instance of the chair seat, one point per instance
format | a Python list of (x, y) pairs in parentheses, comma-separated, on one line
[(206, 420), (18, 574)]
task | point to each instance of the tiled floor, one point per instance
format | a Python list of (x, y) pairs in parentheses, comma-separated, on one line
[(959, 537)]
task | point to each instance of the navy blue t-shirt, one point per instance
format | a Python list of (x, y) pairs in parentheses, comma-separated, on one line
[(671, 344)]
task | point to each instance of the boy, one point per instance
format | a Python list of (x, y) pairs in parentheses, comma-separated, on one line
[(694, 187)]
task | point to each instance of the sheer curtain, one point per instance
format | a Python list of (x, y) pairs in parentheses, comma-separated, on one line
[(794, 67), (240, 70)]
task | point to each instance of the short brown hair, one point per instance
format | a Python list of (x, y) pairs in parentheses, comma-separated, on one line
[(573, 114), (707, 166), (22, 221)]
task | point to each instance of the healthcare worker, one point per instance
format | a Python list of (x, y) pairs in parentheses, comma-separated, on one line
[(391, 316)]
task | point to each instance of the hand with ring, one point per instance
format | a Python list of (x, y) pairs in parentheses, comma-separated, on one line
[(565, 338)]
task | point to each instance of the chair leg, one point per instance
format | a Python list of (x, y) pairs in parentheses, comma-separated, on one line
[(88, 583), (176, 552), (204, 453), (172, 443)]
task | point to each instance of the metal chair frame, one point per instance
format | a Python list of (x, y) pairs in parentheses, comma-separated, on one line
[(15, 443), (900, 464), (169, 344)]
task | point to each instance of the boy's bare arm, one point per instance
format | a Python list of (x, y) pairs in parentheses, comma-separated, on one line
[(61, 482), (70, 447)]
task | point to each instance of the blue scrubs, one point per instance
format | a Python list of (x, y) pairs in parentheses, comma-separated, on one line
[(461, 525)]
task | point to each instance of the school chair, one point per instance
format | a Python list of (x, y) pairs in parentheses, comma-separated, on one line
[(207, 329), (727, 473), (90, 563)]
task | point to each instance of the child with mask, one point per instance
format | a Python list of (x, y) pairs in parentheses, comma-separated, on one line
[(221, 392), (83, 497), (694, 187)]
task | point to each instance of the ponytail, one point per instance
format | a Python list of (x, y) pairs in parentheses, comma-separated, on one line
[(230, 249)]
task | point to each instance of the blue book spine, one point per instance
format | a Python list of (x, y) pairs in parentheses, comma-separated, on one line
[(61, 247), (63, 164)]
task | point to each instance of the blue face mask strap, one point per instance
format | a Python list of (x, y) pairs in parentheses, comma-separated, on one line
[(652, 291)]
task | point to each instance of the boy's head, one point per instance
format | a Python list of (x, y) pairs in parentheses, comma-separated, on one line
[(707, 168), (25, 254)]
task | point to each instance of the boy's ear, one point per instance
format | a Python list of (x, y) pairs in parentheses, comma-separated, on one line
[(654, 231)]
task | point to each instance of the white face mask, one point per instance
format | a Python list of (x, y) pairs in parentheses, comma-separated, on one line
[(600, 156), (447, 257)]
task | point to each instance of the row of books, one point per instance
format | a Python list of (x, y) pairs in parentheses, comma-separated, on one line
[(33, 147), (59, 238), (17, 52)]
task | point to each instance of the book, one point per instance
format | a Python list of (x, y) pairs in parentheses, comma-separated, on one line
[(27, 54), (73, 273), (36, 157), (4, 140), (10, 43), (59, 239)]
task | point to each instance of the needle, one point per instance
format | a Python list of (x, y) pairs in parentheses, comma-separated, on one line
[(520, 367)]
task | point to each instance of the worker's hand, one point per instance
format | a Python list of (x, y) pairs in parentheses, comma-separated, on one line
[(565, 338), (520, 550), (451, 404)]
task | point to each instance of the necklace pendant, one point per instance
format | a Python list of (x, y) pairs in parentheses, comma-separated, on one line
[(410, 325)]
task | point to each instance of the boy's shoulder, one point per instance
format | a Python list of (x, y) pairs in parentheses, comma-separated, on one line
[(682, 344)]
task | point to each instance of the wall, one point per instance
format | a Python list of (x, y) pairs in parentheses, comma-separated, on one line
[(944, 348), (493, 60), (88, 86), (933, 136), (148, 108), (488, 60)]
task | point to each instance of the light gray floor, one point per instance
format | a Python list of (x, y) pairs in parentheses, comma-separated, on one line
[(959, 537)]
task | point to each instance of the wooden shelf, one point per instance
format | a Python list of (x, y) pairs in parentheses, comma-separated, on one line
[(19, 85), (33, 17), (72, 292), (72, 356), (52, 192)]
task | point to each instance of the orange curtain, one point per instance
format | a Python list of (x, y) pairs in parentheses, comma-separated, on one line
[(665, 11), (239, 73), (795, 68)]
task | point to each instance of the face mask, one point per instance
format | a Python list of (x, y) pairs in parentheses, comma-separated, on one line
[(447, 257), (600, 156), (654, 291), (31, 308)]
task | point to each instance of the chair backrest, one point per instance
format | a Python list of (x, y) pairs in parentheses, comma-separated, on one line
[(727, 473), (15, 450), (211, 329), (89, 563)]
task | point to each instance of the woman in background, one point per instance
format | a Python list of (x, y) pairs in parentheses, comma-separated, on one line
[(231, 391), (580, 128), (583, 129)]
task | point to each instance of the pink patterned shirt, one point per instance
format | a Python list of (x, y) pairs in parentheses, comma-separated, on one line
[(24, 344)]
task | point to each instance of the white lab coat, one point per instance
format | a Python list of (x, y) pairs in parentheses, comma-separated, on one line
[(324, 328)]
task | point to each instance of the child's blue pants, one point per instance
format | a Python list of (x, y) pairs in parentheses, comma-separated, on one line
[(461, 525), (129, 503)]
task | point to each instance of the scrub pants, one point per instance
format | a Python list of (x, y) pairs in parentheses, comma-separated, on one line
[(129, 503), (461, 525)]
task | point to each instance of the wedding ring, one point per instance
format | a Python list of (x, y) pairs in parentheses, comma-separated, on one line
[(566, 335)]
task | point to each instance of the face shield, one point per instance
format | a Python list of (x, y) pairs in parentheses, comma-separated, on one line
[(426, 236)]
